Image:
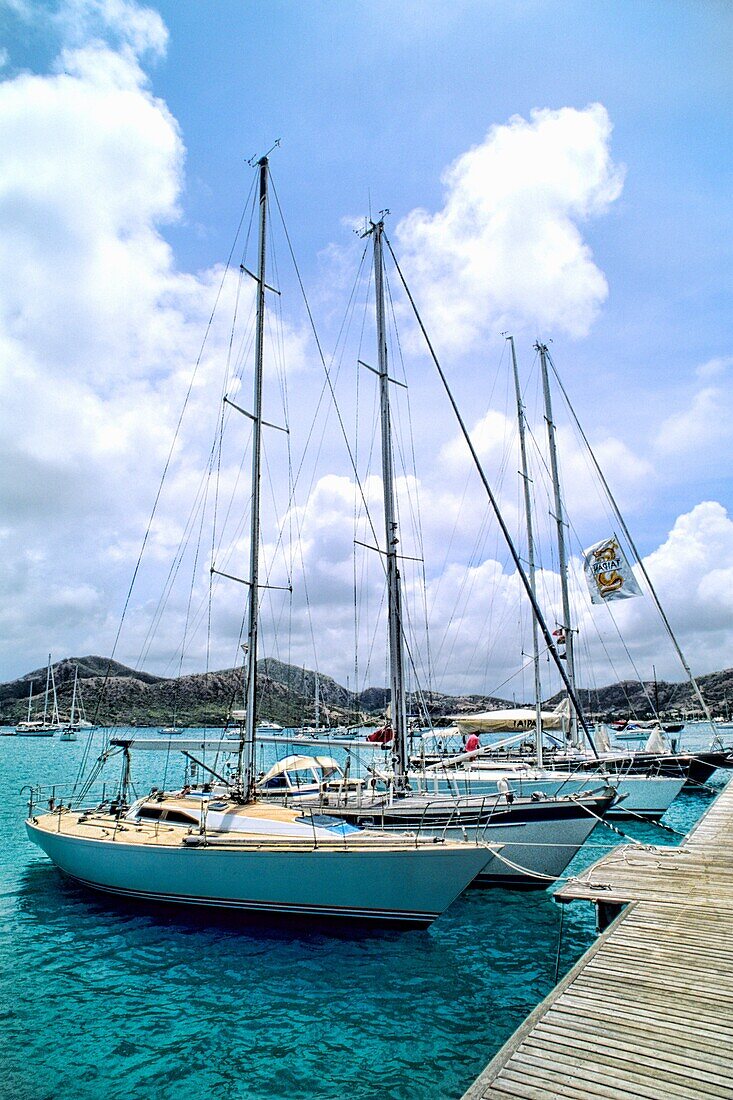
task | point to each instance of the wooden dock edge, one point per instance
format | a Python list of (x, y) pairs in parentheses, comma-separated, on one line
[(619, 1069)]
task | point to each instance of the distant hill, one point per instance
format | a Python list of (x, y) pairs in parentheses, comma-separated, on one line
[(114, 694), (675, 699)]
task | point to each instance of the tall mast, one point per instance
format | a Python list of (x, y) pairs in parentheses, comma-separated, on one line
[(566, 624), (55, 711), (247, 742), (530, 553), (73, 695), (394, 596), (317, 703)]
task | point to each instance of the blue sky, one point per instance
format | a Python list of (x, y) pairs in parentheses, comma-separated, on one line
[(374, 102)]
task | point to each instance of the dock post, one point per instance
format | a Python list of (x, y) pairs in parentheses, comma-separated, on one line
[(606, 913)]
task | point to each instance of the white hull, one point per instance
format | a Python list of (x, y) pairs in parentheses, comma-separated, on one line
[(644, 796), (530, 853), (403, 884)]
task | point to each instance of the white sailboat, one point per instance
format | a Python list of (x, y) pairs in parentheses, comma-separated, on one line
[(70, 730), (220, 846), (12, 731), (77, 715), (477, 775), (48, 723)]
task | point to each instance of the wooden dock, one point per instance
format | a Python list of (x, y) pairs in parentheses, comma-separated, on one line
[(648, 1011)]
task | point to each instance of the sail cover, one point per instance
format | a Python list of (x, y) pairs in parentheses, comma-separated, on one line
[(608, 573), (516, 719)]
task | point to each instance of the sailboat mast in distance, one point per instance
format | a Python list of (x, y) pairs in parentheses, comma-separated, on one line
[(73, 695), (317, 702), (640, 561), (394, 595), (48, 686), (247, 740), (566, 624)]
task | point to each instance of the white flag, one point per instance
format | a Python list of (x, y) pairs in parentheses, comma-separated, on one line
[(608, 573)]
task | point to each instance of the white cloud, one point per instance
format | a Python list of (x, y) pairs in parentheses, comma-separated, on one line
[(495, 438), (99, 333), (700, 541), (90, 301), (694, 434), (138, 29), (479, 622), (715, 368), (630, 475), (95, 166), (506, 248)]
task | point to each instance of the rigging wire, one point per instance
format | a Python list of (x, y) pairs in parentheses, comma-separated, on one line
[(492, 499), (632, 545), (102, 691)]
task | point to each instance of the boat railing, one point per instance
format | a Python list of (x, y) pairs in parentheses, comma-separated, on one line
[(51, 797)]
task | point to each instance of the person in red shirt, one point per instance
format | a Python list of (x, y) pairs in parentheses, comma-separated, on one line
[(472, 742)]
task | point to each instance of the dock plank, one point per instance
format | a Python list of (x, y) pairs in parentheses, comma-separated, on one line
[(672, 1062), (619, 1073), (708, 1032)]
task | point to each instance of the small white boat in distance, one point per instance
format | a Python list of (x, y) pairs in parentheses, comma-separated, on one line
[(36, 729), (263, 726)]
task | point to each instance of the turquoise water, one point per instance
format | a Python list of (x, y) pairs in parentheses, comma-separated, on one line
[(102, 999)]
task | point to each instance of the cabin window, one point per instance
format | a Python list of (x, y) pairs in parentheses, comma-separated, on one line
[(276, 783), (161, 813), (150, 813), (302, 778), (178, 817)]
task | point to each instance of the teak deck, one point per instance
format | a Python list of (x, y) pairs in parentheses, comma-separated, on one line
[(648, 1011)]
